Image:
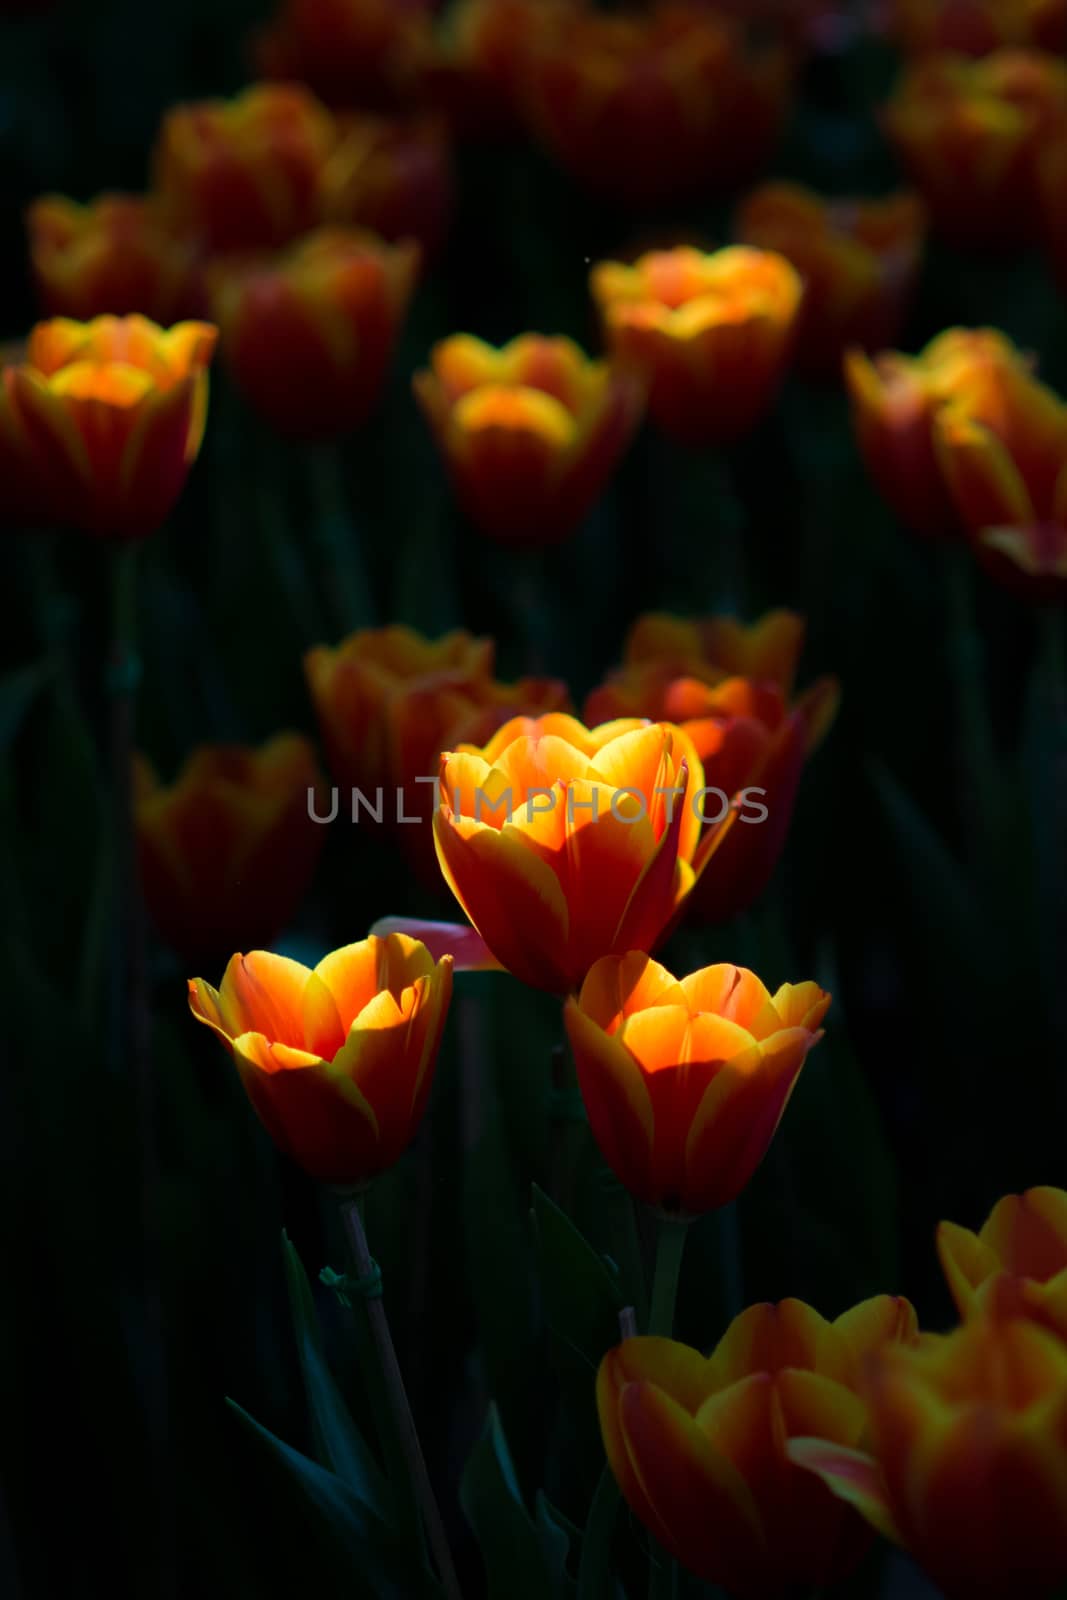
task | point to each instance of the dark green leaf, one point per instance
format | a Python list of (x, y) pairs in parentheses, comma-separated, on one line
[(581, 1295), (518, 1566)]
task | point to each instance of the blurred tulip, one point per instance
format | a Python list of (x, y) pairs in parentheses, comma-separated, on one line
[(227, 850), (699, 1446), (710, 334), (115, 255), (895, 399), (564, 843), (977, 27), (337, 1060), (308, 334), (529, 433), (244, 174), (969, 1433), (686, 1081), (350, 52), (1016, 1264), (478, 69), (751, 744), (712, 648), (969, 132), (393, 176), (858, 259), (103, 420), (651, 107), (389, 702), (1006, 472)]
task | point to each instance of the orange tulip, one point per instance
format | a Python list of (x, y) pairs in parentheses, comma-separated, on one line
[(388, 702), (969, 1435), (564, 843), (103, 420), (686, 1081), (651, 107), (1016, 1263), (859, 261), (529, 433), (713, 648), (977, 27), (710, 334), (1006, 472), (308, 334), (968, 133), (392, 176), (895, 400), (244, 174), (351, 52), (698, 1445), (115, 255), (337, 1060), (751, 744), (227, 850)]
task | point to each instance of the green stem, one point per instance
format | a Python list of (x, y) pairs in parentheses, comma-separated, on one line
[(670, 1244), (594, 1571), (730, 1260), (401, 1441), (1054, 661), (966, 665), (337, 542)]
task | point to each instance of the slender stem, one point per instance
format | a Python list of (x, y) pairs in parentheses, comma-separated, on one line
[(670, 1244), (337, 542), (403, 1424), (593, 1573), (730, 1260), (1054, 654), (981, 771)]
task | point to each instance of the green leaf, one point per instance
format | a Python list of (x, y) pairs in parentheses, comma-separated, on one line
[(558, 1534), (18, 690), (582, 1297), (379, 1565), (339, 1445), (517, 1563)]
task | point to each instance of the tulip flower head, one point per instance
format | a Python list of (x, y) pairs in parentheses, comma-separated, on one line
[(713, 648), (338, 1060), (393, 176), (308, 334), (977, 27), (965, 1465), (564, 844), (480, 64), (969, 133), (103, 419), (529, 433), (1015, 1264), (350, 52), (685, 1081), (710, 334), (647, 108), (228, 849), (896, 400), (116, 255), (859, 260), (698, 1445), (244, 174)]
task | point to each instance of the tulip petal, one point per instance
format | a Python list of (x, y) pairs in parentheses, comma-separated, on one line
[(849, 1474), (464, 944), (616, 1099)]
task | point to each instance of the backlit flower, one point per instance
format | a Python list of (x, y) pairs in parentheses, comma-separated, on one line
[(350, 52), (977, 27), (391, 175), (712, 648), (116, 254), (1016, 1264)]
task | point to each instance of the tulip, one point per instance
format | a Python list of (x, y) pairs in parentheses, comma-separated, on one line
[(244, 174), (895, 400), (1052, 216), (392, 176), (699, 1445), (649, 108), (751, 743), (1006, 472), (479, 67), (227, 851), (713, 648), (529, 432), (115, 255), (710, 334), (337, 1060), (977, 27), (308, 334), (350, 52), (969, 132), (1015, 1264), (564, 844), (859, 261), (389, 701), (686, 1081), (965, 1470), (104, 419)]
